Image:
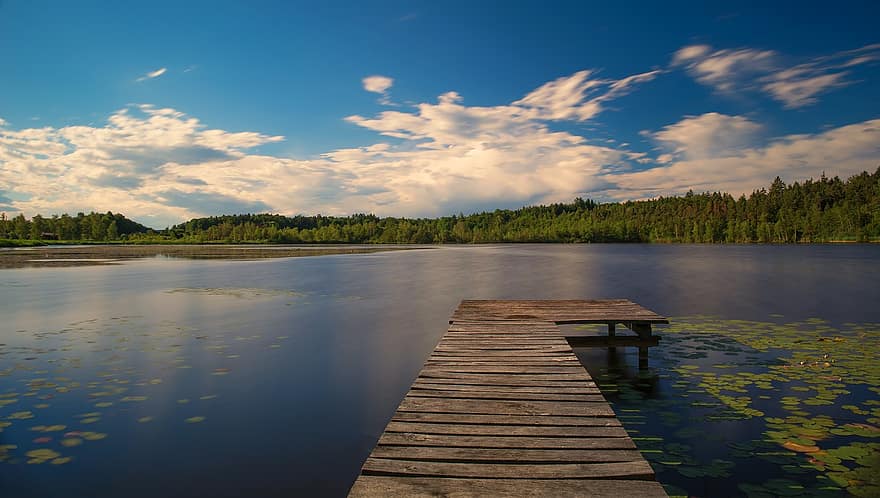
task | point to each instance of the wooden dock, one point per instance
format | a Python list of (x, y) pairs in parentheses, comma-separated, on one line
[(503, 407)]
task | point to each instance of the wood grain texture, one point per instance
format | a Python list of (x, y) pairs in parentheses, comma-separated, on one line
[(629, 470), (419, 487), (503, 407)]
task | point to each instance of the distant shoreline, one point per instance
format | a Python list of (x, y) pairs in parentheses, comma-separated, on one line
[(110, 254), (25, 243)]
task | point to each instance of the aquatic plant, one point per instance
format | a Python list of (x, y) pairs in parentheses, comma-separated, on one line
[(800, 397)]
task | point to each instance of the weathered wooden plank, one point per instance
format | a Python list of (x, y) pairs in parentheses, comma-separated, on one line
[(507, 369), (485, 353), (501, 380), (474, 441), (507, 380), (384, 486), (506, 430), (430, 393), (589, 388), (547, 348), (600, 414), (522, 361), (549, 376), (563, 311), (510, 342), (628, 470), (500, 455), (550, 408)]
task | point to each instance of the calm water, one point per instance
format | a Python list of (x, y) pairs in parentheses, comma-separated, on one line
[(223, 378)]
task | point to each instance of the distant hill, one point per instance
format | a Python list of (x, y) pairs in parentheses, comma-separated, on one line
[(817, 210)]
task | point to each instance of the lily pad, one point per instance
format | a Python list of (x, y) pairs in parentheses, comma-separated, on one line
[(71, 442)]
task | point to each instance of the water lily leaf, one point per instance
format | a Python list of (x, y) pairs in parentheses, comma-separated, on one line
[(71, 442), (42, 454), (133, 398), (800, 448)]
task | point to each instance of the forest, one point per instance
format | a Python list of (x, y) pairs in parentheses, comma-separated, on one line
[(816, 210)]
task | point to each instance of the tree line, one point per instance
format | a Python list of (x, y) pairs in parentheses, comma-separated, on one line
[(100, 227), (823, 210)]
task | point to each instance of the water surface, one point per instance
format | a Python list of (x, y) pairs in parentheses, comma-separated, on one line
[(271, 377)]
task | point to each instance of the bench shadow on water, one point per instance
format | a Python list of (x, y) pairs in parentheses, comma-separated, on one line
[(733, 408)]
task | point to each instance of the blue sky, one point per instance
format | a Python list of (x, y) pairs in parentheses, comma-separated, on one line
[(170, 110)]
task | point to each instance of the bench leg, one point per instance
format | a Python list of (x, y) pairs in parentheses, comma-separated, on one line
[(644, 332), (611, 332), (643, 357)]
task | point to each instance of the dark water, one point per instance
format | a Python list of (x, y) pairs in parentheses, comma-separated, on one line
[(296, 365)]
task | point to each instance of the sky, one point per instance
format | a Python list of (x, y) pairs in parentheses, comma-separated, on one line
[(169, 110)]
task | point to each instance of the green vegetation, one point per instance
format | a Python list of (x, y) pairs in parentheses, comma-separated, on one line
[(92, 227), (823, 210), (797, 399)]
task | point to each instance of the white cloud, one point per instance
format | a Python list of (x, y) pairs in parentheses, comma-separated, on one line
[(162, 166), (739, 168), (800, 85), (795, 90), (797, 86), (377, 84), (723, 70), (708, 135), (153, 74), (577, 97), (381, 85), (689, 53)]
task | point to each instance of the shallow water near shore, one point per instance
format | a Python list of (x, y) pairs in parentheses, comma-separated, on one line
[(179, 377)]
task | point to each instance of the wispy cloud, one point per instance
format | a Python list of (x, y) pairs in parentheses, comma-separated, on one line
[(800, 85), (577, 97), (795, 86), (153, 74), (724, 70)]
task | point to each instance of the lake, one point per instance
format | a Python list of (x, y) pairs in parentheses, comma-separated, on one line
[(167, 376)]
